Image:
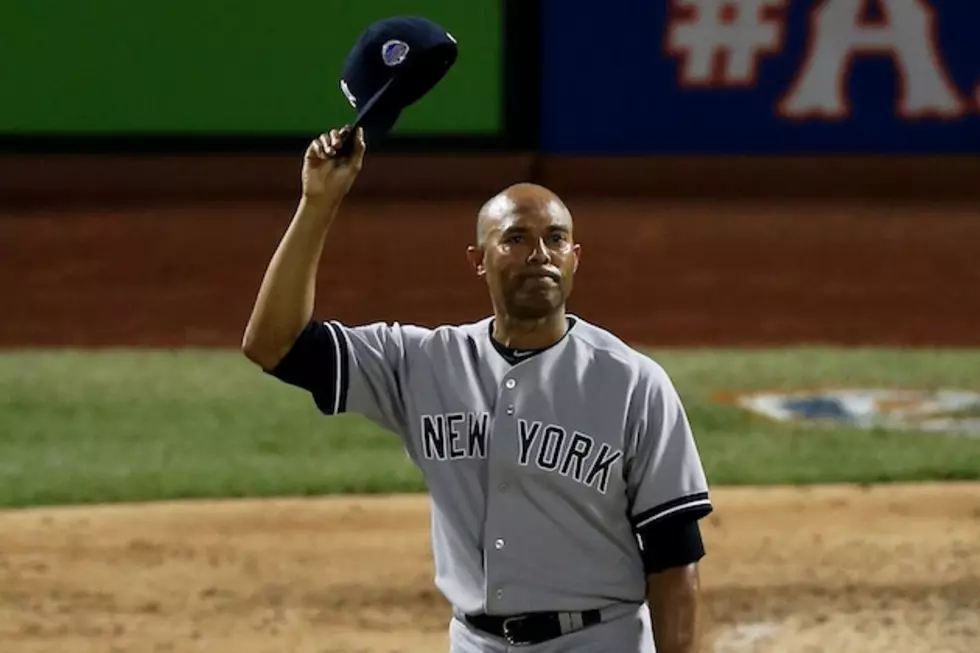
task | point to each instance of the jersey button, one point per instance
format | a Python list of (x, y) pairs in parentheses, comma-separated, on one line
[(510, 384), (510, 410), (500, 594), (499, 544), (503, 486)]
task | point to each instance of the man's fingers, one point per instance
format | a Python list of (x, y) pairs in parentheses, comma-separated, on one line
[(326, 147), (320, 149), (314, 151), (359, 144)]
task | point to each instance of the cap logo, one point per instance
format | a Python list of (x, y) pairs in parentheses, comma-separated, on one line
[(394, 52), (346, 91)]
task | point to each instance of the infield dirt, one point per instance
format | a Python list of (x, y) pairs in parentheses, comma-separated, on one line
[(885, 569)]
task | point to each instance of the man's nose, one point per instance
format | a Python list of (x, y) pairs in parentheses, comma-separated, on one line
[(540, 253)]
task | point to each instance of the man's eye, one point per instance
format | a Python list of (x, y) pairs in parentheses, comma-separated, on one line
[(557, 238), (515, 238)]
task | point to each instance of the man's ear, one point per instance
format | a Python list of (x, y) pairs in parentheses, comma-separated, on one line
[(578, 255), (475, 255)]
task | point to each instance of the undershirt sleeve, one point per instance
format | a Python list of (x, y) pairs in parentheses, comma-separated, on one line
[(670, 543)]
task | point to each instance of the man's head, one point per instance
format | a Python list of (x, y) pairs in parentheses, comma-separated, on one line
[(526, 252)]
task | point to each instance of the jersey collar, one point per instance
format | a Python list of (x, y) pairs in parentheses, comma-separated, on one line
[(517, 356)]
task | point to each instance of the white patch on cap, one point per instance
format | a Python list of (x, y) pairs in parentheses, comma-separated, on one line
[(451, 37), (394, 52), (350, 96)]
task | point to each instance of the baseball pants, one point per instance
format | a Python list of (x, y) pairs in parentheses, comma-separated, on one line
[(630, 633)]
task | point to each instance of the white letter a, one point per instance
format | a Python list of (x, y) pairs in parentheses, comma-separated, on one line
[(838, 35)]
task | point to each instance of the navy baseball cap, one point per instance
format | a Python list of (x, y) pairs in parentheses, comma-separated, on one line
[(393, 64)]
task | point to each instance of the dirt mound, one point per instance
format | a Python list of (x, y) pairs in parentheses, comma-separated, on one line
[(892, 569)]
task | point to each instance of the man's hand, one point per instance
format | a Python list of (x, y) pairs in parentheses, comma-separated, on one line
[(673, 599), (327, 175)]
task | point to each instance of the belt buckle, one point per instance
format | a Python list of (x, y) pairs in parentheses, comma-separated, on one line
[(509, 636)]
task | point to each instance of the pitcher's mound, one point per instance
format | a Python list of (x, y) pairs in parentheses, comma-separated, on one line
[(891, 569)]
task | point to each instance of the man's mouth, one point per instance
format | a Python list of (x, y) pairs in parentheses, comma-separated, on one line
[(542, 276), (543, 281)]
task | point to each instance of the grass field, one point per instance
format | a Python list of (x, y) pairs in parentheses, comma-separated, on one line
[(124, 425)]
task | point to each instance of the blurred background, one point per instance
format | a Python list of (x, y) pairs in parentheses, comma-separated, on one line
[(741, 172), (773, 196)]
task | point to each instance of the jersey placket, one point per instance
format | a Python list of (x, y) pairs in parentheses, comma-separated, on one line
[(502, 451)]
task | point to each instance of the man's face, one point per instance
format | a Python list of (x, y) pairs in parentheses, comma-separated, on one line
[(529, 257)]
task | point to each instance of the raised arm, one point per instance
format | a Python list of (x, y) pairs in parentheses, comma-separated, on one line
[(285, 302)]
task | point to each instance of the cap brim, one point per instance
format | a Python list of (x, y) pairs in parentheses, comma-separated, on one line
[(376, 117)]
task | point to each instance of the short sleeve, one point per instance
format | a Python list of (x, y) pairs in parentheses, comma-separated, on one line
[(665, 476), (357, 369)]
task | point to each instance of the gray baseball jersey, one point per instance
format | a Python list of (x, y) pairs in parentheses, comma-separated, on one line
[(539, 472)]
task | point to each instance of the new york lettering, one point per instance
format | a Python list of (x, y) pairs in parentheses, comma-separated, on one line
[(552, 449), (455, 436), (549, 447)]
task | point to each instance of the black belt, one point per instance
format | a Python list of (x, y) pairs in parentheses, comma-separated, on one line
[(533, 627)]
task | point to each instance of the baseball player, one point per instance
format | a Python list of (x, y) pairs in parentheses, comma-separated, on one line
[(565, 482)]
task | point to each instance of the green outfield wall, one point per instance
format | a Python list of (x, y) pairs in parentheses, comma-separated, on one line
[(218, 66)]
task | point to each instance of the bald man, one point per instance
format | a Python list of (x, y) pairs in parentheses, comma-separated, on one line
[(565, 482)]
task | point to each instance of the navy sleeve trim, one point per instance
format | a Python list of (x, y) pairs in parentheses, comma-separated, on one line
[(343, 375), (696, 505), (674, 542), (317, 362)]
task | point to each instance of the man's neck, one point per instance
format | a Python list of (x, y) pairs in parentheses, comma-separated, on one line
[(530, 334)]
